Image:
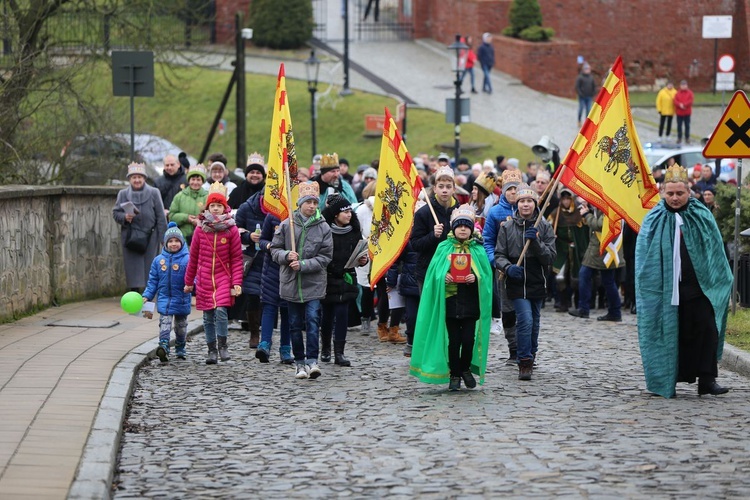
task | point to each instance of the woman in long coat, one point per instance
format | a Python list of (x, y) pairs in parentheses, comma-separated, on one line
[(144, 212)]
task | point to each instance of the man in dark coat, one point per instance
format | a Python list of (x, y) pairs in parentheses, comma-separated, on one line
[(255, 181), (171, 182), (486, 57)]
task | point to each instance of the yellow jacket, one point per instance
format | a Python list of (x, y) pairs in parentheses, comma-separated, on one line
[(665, 101)]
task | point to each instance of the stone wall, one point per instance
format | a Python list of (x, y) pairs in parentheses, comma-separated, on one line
[(59, 244)]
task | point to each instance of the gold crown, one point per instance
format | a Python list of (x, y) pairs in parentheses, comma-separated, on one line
[(512, 175), (444, 172), (217, 187), (676, 173), (328, 161), (308, 188), (486, 181), (137, 168), (525, 191), (256, 159), (463, 212)]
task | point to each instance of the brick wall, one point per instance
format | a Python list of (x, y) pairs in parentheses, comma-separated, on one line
[(657, 39), (59, 244), (225, 13)]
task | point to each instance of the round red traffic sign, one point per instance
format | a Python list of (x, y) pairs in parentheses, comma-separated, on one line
[(726, 63)]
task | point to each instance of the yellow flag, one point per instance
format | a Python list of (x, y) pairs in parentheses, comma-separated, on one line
[(606, 165), (396, 192), (282, 156)]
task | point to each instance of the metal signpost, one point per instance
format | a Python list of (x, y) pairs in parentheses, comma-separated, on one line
[(133, 76), (717, 27)]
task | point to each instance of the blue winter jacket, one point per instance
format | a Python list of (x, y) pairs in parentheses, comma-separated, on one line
[(167, 277), (404, 268), (269, 283), (498, 214), (248, 216)]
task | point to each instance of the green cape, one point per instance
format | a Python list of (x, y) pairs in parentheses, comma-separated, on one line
[(658, 329), (429, 356)]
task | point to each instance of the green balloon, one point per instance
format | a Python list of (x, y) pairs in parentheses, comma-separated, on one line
[(131, 302)]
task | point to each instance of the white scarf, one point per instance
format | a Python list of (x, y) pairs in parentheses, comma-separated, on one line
[(676, 261)]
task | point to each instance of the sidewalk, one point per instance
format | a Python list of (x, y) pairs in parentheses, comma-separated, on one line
[(63, 395)]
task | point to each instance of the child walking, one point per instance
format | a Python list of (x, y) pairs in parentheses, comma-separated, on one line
[(215, 269), (167, 278), (453, 323), (302, 275)]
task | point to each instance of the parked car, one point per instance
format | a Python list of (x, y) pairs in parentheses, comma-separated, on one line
[(100, 159), (657, 156)]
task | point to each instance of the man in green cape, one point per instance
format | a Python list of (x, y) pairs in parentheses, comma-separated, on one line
[(430, 356), (683, 284)]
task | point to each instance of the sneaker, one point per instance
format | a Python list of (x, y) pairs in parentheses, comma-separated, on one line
[(313, 371), (163, 353), (578, 313), (455, 383), (469, 380), (496, 326), (301, 371), (407, 350)]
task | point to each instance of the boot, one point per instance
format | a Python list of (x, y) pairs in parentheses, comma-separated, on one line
[(365, 326), (163, 351), (212, 353), (383, 333), (223, 352), (253, 319), (708, 385), (525, 369), (512, 358), (338, 350), (395, 337), (179, 348), (285, 353), (325, 347), (263, 351)]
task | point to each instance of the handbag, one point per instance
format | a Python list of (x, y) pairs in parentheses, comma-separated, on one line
[(136, 239)]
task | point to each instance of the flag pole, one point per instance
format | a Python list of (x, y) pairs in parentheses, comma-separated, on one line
[(552, 187), (290, 210), (429, 204)]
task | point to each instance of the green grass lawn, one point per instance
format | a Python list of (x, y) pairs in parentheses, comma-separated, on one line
[(738, 329), (701, 98), (184, 110)]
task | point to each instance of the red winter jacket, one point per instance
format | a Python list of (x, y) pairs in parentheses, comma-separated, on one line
[(215, 267), (683, 102)]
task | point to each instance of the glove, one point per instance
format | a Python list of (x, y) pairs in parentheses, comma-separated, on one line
[(348, 278), (514, 272), (531, 233)]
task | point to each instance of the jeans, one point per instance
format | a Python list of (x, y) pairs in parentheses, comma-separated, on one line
[(528, 313), (585, 276), (165, 328), (486, 84), (335, 320), (470, 71), (584, 104), (683, 121), (267, 321), (309, 313), (215, 323)]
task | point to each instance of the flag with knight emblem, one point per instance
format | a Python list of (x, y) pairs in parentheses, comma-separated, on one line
[(396, 192), (606, 165), (282, 156)]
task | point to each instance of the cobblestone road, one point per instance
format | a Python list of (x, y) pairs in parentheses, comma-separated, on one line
[(583, 427)]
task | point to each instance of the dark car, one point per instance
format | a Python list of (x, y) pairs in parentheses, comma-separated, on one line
[(96, 160)]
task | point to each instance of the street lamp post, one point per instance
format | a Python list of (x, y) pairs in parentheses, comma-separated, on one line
[(458, 46), (312, 66)]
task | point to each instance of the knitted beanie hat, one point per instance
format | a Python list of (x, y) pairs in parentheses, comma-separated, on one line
[(173, 232)]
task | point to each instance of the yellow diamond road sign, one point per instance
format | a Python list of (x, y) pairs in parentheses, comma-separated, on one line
[(731, 137)]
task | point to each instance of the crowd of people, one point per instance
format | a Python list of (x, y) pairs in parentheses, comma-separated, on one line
[(490, 245)]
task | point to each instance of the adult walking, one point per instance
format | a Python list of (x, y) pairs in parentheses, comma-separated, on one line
[(189, 203), (665, 108), (140, 214), (682, 288), (486, 56), (255, 181), (171, 182), (585, 90), (683, 108)]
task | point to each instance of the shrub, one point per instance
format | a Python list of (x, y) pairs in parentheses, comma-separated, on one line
[(281, 24), (526, 22), (536, 34), (726, 197)]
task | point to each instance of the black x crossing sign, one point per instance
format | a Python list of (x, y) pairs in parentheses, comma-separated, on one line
[(731, 137)]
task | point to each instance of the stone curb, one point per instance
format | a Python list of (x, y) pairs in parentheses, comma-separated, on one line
[(96, 469), (736, 360)]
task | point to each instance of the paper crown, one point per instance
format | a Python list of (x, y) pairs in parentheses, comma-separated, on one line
[(444, 172), (308, 189), (675, 173), (525, 191), (199, 170), (464, 213), (137, 169), (256, 159), (486, 182), (217, 188), (511, 176), (329, 161)]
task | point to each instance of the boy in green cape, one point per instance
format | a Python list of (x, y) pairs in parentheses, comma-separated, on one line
[(452, 335)]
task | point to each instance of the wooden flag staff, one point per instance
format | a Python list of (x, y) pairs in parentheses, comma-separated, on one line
[(290, 208)]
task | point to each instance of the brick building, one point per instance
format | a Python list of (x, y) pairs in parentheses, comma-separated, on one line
[(657, 39)]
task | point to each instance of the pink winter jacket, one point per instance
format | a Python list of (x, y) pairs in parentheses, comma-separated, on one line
[(215, 266)]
